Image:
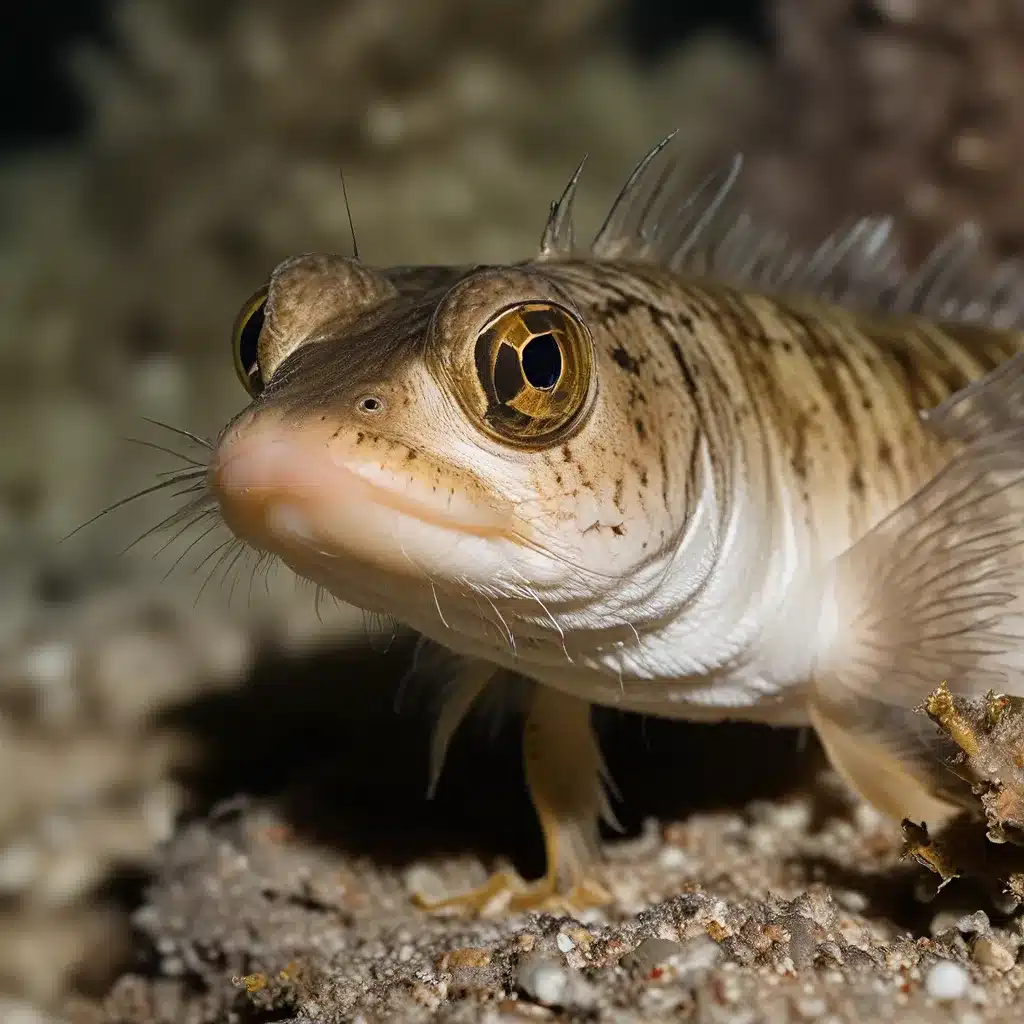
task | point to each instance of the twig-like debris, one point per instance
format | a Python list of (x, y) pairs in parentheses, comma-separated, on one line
[(989, 734), (919, 846)]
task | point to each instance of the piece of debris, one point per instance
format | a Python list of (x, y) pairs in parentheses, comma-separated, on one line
[(920, 846), (986, 841), (990, 734)]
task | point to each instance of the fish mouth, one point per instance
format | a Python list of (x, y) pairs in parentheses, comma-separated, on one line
[(308, 498)]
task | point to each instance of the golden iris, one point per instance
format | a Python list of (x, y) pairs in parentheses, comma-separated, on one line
[(535, 365)]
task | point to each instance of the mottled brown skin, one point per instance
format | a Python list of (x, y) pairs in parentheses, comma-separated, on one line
[(839, 392), (835, 392)]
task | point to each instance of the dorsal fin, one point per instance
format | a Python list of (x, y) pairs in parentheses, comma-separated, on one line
[(661, 217), (557, 242), (653, 220)]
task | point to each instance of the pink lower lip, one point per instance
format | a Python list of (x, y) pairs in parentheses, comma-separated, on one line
[(269, 485)]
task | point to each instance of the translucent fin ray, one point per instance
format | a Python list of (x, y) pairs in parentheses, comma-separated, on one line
[(558, 242), (663, 217)]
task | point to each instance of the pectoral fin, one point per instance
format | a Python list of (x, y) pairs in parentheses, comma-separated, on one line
[(934, 593)]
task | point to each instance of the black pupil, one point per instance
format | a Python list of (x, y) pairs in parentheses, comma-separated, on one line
[(542, 362), (249, 340)]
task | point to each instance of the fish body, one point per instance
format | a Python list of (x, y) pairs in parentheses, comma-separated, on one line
[(685, 472)]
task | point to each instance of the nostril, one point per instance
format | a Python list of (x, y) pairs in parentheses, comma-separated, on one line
[(370, 404)]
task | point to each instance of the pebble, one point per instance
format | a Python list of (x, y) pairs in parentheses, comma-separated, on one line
[(564, 943), (649, 954), (699, 954), (682, 958), (944, 921), (976, 923), (544, 980), (852, 900), (672, 858), (50, 663), (550, 983), (990, 952), (419, 878), (792, 817), (946, 981)]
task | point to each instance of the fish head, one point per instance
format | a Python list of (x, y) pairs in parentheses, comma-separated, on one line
[(444, 445)]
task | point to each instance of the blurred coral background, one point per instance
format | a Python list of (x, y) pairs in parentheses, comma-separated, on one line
[(161, 156)]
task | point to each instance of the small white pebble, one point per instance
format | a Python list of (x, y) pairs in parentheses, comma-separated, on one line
[(49, 664), (672, 858), (544, 980), (700, 953), (946, 981), (792, 817), (420, 878), (852, 900), (564, 943)]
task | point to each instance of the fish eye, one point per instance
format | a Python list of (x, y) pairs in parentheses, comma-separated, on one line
[(534, 363), (245, 340)]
